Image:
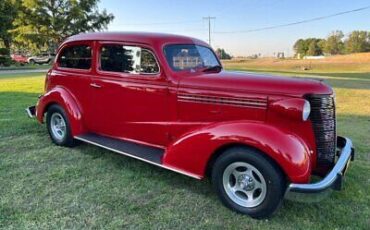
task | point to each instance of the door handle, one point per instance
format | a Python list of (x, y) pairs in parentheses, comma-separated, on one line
[(95, 85)]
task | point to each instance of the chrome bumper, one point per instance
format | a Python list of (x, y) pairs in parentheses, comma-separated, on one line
[(335, 177), (31, 111)]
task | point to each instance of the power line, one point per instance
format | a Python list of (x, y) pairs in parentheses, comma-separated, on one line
[(209, 27), (159, 23), (294, 23)]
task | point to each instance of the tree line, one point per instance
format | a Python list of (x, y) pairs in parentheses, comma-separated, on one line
[(222, 54), (40, 25), (336, 43)]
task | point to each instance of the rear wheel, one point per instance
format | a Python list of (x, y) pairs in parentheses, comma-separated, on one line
[(248, 182), (58, 126)]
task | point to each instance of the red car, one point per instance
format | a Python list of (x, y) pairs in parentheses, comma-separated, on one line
[(166, 100), (19, 58)]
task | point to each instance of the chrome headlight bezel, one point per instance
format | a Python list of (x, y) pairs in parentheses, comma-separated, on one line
[(306, 110)]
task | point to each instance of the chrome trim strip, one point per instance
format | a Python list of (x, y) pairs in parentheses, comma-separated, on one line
[(346, 154), (138, 158), (223, 100)]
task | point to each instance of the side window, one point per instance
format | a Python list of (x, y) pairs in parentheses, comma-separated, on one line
[(76, 57), (128, 59)]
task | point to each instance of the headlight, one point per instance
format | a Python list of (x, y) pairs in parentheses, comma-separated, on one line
[(306, 110), (296, 108)]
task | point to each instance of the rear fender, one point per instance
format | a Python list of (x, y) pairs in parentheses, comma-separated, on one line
[(64, 98), (192, 151)]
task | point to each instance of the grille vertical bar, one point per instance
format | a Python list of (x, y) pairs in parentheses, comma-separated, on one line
[(323, 119)]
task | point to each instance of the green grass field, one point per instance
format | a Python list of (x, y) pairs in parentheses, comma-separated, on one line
[(46, 186)]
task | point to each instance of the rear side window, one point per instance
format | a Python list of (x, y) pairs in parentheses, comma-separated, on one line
[(76, 57), (128, 59)]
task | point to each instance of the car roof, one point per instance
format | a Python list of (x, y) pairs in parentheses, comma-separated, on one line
[(138, 37)]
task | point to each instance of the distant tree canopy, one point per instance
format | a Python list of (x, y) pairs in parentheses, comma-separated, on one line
[(335, 43), (7, 15), (40, 24), (309, 46), (221, 53), (358, 41)]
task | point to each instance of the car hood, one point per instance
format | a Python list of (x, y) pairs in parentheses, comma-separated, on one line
[(255, 83)]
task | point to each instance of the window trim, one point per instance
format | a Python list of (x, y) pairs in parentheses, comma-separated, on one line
[(123, 74), (89, 44)]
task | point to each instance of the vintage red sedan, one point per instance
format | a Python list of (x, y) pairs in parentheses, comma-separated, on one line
[(166, 100)]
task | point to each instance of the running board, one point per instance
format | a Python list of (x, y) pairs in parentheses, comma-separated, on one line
[(141, 152), (151, 155)]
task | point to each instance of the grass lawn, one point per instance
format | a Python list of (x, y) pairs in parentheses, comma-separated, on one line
[(46, 186)]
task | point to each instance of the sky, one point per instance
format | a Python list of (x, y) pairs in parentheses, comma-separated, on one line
[(186, 18)]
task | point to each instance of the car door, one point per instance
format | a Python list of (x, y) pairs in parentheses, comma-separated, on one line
[(130, 94)]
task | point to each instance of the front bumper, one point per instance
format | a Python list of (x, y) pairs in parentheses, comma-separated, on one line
[(334, 179)]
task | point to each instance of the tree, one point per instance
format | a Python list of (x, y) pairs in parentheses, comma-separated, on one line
[(5, 59), (321, 45), (300, 47), (334, 44), (221, 53), (314, 48), (358, 41), (41, 24), (8, 12), (309, 46)]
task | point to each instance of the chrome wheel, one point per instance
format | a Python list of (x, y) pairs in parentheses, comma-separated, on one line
[(58, 126), (244, 184)]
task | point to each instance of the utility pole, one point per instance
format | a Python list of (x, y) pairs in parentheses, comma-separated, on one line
[(209, 27)]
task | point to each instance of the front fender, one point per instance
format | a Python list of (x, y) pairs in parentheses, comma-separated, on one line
[(64, 98), (192, 151)]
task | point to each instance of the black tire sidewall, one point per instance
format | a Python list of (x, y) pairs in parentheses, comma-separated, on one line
[(68, 138), (274, 178)]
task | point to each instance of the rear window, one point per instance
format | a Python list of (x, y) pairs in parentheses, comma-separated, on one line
[(76, 57)]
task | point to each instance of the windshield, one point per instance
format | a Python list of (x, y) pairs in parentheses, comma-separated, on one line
[(190, 57)]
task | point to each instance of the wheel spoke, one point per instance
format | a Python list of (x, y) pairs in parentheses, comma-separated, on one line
[(249, 173), (236, 174), (257, 185), (248, 194)]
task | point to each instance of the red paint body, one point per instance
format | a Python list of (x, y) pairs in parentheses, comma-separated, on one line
[(190, 115)]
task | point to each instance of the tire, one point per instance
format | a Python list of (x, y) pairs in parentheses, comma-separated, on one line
[(32, 62), (59, 127), (241, 173)]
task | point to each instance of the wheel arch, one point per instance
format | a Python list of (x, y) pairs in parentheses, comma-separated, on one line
[(195, 151), (65, 99), (222, 149)]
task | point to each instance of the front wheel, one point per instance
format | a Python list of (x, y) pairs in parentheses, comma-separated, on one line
[(59, 127), (248, 182)]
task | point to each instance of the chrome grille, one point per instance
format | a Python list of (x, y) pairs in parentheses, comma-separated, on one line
[(324, 125)]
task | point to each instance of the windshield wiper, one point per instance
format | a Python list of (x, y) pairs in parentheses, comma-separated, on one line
[(216, 68)]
